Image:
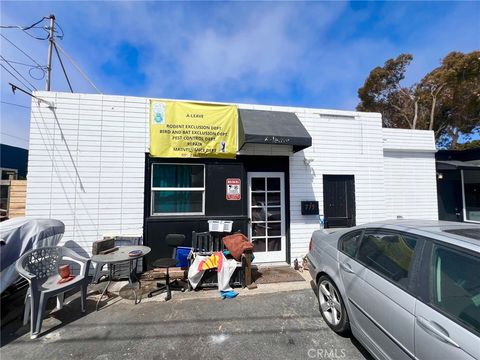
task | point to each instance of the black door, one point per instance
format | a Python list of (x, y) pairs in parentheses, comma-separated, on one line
[(339, 200), (449, 189)]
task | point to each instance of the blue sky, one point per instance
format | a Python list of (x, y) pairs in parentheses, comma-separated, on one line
[(307, 54)]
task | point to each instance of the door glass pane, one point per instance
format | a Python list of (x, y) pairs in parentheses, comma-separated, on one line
[(258, 184), (456, 288), (274, 229), (274, 244), (388, 254), (258, 199), (258, 214), (273, 213), (259, 229), (259, 245), (273, 198), (177, 202), (273, 184)]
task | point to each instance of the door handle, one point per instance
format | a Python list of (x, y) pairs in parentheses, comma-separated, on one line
[(347, 268), (433, 328)]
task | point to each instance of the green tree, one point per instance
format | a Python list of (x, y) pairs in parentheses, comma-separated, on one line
[(446, 100)]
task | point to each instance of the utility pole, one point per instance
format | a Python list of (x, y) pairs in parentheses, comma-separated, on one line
[(51, 39)]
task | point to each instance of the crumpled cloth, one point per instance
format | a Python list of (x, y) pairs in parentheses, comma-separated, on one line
[(225, 268), (230, 294)]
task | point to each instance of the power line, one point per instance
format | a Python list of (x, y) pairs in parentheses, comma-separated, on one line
[(78, 68), (8, 63), (63, 68), (12, 104), (15, 77), (26, 28), (24, 64), (17, 137), (23, 52)]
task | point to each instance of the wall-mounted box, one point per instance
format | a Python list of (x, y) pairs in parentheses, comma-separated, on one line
[(310, 208)]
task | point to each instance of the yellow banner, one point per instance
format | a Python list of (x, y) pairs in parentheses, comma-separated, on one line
[(182, 129)]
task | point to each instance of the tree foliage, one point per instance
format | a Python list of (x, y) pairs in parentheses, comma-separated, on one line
[(446, 100)]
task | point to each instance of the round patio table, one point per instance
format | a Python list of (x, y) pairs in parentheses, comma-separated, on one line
[(119, 256)]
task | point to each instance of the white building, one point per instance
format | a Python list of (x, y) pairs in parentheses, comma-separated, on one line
[(89, 166)]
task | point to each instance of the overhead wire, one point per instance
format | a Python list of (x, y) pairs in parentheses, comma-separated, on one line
[(63, 67), (13, 104), (26, 28), (78, 68), (23, 77), (18, 137), (15, 77), (23, 52)]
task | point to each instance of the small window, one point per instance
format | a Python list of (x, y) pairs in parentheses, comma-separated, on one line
[(349, 243), (456, 286), (178, 189), (389, 254)]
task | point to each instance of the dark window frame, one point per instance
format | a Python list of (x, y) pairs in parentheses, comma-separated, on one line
[(349, 235), (428, 280), (192, 189), (415, 264)]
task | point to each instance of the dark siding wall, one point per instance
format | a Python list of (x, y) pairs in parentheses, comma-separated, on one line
[(216, 205), (14, 158), (449, 190)]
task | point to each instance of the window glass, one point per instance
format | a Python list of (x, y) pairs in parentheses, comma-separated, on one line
[(388, 254), (177, 189), (177, 176), (471, 186), (456, 285), (350, 243)]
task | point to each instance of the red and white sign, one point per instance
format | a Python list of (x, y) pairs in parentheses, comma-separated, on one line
[(233, 189)]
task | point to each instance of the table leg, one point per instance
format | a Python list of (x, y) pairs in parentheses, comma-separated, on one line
[(110, 275), (130, 280)]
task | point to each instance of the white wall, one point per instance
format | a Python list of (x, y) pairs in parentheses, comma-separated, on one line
[(86, 164), (87, 159), (344, 143)]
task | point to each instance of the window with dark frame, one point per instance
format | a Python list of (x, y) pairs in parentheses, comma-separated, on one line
[(350, 242), (389, 254), (456, 289), (178, 189)]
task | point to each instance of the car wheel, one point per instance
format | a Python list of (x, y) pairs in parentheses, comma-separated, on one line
[(331, 306)]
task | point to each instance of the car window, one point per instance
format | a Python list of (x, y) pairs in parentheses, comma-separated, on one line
[(389, 254), (349, 243), (456, 285)]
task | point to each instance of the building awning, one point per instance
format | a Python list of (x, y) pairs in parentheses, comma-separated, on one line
[(272, 127), (456, 164)]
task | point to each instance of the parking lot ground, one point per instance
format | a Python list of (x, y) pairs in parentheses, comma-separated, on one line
[(275, 325)]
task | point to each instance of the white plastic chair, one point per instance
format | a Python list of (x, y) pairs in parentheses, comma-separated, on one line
[(40, 268)]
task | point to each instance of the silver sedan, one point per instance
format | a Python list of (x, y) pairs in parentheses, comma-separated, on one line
[(405, 289)]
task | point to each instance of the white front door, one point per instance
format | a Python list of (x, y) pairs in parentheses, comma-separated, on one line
[(266, 209)]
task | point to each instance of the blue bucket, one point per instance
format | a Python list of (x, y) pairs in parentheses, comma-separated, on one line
[(182, 255)]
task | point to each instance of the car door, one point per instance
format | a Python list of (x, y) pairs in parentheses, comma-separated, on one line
[(447, 324), (390, 259), (351, 275)]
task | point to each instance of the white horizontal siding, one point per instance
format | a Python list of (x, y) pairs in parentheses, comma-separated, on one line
[(86, 164), (343, 144), (408, 140), (87, 158), (411, 189)]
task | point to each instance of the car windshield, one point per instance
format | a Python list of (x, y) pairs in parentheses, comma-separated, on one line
[(472, 233)]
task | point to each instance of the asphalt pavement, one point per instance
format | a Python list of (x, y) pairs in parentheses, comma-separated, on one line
[(273, 325)]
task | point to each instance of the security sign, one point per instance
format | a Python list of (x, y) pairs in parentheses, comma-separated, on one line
[(233, 189)]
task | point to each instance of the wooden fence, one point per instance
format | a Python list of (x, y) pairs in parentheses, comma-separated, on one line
[(17, 198)]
